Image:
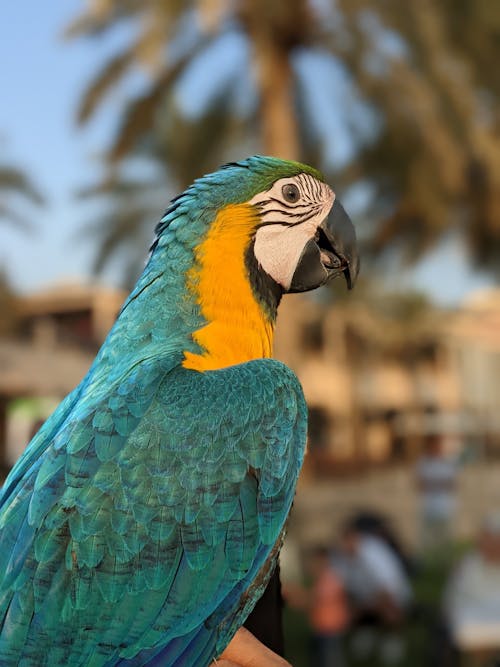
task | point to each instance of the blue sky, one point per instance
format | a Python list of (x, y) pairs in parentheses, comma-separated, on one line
[(41, 78)]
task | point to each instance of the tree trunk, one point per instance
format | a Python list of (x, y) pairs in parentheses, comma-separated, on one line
[(275, 83)]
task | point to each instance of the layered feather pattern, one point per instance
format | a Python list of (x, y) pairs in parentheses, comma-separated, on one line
[(147, 516)]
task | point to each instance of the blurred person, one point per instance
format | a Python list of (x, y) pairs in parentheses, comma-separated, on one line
[(436, 480), (379, 592), (327, 608), (328, 611), (370, 522), (471, 605)]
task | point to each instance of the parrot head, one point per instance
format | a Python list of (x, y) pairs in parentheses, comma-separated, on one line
[(300, 236), (304, 238), (254, 230)]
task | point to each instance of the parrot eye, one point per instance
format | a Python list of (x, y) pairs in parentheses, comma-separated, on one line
[(290, 193)]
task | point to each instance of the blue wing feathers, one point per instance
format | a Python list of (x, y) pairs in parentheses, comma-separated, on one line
[(141, 514)]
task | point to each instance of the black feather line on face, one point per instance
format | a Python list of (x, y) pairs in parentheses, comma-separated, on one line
[(282, 223), (277, 223), (265, 289)]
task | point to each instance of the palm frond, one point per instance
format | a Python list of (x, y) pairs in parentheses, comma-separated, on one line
[(14, 180), (119, 187), (121, 230), (138, 118), (199, 145), (10, 216), (107, 78), (101, 16)]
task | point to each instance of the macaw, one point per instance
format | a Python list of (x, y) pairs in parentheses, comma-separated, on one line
[(142, 522)]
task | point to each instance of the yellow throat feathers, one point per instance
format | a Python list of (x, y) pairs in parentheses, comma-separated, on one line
[(237, 328)]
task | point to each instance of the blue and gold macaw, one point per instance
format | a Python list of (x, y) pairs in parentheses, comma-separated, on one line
[(143, 521)]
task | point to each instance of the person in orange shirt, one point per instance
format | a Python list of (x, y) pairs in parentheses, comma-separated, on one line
[(327, 608), (328, 611)]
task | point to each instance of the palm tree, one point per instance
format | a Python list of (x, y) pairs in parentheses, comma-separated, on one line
[(166, 47), (417, 105)]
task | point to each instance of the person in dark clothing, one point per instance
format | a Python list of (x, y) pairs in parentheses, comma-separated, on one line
[(260, 642), (265, 622)]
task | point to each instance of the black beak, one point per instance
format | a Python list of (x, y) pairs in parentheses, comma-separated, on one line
[(340, 231), (333, 251)]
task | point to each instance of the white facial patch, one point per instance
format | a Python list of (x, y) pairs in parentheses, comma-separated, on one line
[(288, 225)]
